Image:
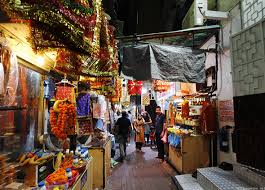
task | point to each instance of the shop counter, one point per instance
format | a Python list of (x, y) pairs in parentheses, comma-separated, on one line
[(85, 180), (101, 163), (192, 153)]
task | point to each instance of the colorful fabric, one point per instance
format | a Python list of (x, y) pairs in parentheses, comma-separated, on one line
[(83, 104), (65, 92), (96, 110), (100, 108)]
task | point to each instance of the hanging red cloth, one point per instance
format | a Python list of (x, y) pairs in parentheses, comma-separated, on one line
[(135, 87), (208, 121), (65, 92)]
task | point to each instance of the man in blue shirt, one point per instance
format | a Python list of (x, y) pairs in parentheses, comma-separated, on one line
[(159, 126)]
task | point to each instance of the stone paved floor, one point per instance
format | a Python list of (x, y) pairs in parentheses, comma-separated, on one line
[(141, 171)]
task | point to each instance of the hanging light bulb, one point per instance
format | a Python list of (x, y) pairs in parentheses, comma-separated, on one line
[(40, 60)]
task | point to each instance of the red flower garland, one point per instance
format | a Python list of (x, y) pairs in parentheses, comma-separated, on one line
[(63, 123)]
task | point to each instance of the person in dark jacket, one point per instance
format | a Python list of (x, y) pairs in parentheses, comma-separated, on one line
[(123, 126), (159, 127)]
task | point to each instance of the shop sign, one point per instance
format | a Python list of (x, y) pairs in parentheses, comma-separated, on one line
[(226, 111), (165, 95)]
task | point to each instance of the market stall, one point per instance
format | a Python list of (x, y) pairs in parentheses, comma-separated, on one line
[(190, 126), (55, 58)]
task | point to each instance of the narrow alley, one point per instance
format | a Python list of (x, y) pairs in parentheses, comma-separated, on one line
[(141, 171)]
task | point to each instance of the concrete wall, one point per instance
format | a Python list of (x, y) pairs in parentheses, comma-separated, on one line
[(252, 11)]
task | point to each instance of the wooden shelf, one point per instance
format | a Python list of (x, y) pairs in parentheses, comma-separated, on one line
[(183, 123), (8, 108)]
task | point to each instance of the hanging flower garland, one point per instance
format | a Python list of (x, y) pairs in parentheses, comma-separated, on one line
[(63, 123)]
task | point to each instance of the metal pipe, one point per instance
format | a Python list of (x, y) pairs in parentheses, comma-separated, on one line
[(168, 34)]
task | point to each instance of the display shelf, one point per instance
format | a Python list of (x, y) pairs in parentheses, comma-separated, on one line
[(183, 122)]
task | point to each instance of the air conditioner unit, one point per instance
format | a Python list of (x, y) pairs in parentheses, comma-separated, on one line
[(200, 6), (201, 13)]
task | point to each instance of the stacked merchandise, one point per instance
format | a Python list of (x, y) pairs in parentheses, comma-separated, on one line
[(191, 116), (8, 171)]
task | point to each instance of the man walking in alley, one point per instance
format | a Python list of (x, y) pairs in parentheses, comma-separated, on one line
[(123, 126), (159, 125)]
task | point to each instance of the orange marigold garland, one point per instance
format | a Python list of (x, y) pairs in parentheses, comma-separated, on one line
[(63, 123)]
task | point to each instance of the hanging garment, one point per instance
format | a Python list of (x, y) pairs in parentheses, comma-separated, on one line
[(100, 124), (100, 108), (2, 80), (49, 88), (65, 92), (96, 110), (103, 106), (208, 118), (83, 104)]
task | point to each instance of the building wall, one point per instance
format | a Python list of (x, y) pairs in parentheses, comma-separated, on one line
[(224, 5), (243, 56), (225, 85), (252, 11), (243, 15)]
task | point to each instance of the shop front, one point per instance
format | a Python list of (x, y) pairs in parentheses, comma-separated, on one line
[(58, 79)]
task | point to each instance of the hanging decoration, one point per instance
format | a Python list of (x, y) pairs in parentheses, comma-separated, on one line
[(102, 85), (78, 30), (69, 24), (161, 86), (67, 61), (116, 96), (146, 99), (63, 123), (135, 87)]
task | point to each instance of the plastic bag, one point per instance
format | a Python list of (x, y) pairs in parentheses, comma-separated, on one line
[(12, 82)]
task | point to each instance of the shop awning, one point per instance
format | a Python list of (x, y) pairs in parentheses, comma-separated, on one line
[(164, 62), (172, 56)]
